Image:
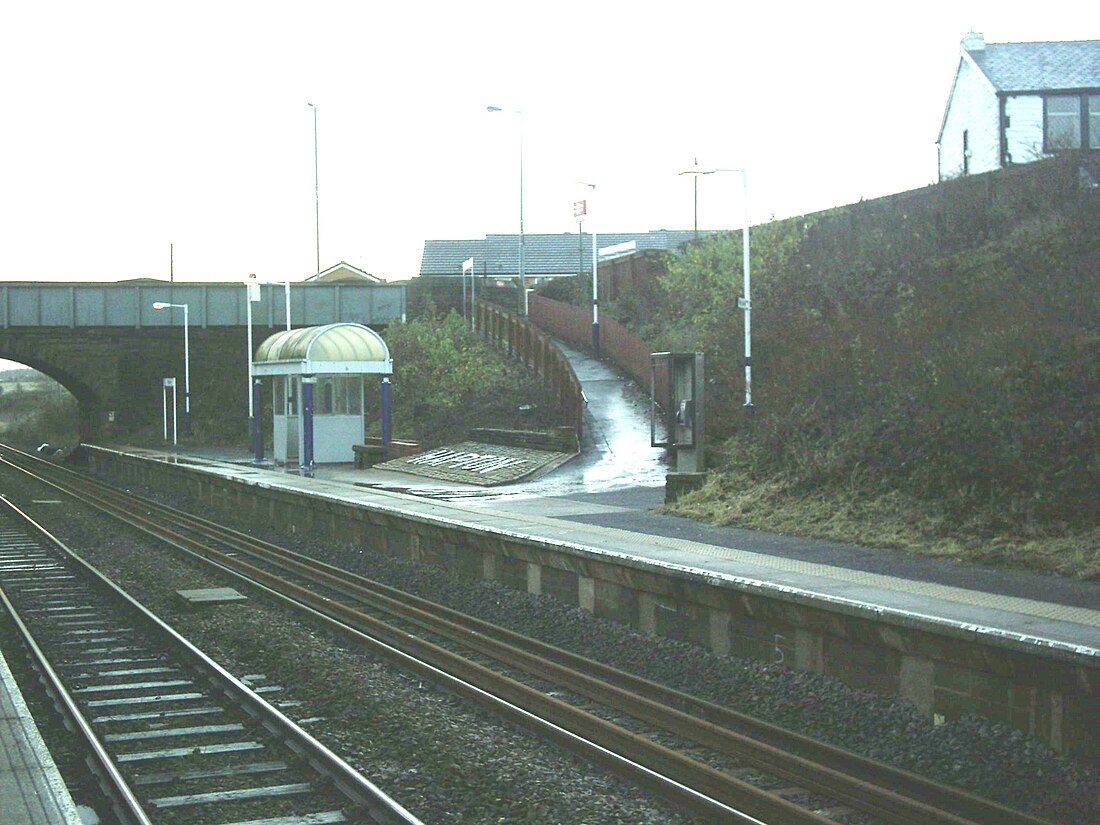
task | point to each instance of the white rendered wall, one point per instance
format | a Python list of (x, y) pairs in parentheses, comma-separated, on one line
[(1024, 134), (973, 109), (333, 436)]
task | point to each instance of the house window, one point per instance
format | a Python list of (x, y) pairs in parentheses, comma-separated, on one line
[(1063, 123), (1071, 122), (1094, 121)]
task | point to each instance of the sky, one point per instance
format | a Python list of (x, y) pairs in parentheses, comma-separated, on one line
[(149, 139)]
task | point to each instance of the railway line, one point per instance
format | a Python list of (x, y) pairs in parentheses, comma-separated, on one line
[(172, 736), (690, 751)]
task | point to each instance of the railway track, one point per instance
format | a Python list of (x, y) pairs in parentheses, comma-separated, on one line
[(173, 737), (587, 706)]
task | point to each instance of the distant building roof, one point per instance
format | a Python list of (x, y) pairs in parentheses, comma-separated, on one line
[(1036, 67), (344, 271), (543, 255)]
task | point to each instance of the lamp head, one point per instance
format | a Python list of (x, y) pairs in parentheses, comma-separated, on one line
[(493, 109), (161, 305)]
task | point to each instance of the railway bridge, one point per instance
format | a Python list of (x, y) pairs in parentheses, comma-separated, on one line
[(108, 346)]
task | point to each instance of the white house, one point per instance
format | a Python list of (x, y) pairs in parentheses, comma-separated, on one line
[(1019, 102)]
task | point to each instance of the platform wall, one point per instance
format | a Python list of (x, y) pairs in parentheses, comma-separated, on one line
[(945, 671)]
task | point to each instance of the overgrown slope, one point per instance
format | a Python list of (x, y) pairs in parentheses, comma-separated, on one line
[(923, 377)]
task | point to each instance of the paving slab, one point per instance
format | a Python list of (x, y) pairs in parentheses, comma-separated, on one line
[(485, 465), (32, 791)]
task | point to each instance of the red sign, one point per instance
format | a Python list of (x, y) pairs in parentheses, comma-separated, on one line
[(580, 209)]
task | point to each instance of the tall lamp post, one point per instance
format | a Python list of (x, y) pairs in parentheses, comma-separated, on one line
[(186, 364), (252, 294), (745, 302), (595, 281), (522, 274), (316, 188)]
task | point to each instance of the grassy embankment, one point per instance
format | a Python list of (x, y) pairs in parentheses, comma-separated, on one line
[(927, 382)]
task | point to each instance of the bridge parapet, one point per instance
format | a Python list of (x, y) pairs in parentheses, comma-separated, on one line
[(130, 304)]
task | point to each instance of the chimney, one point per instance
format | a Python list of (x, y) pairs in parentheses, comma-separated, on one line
[(973, 42)]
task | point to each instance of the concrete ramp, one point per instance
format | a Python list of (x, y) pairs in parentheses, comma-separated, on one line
[(473, 462)]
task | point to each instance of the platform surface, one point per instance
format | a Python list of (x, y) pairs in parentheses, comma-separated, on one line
[(1016, 607), (31, 789)]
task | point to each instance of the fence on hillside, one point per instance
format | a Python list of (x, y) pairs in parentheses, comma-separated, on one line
[(522, 339), (574, 324)]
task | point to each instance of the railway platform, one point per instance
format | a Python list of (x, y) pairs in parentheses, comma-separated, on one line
[(31, 789), (1026, 606), (953, 639)]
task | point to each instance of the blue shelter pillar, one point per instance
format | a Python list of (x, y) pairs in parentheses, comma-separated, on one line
[(257, 433), (386, 409), (307, 423)]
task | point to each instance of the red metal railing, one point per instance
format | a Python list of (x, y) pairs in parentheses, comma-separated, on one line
[(523, 340)]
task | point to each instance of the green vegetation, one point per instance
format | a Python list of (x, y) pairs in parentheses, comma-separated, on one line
[(36, 409), (448, 380), (927, 380)]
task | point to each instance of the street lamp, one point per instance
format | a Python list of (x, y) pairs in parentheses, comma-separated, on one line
[(251, 295), (186, 364), (595, 282), (522, 271), (744, 303), (316, 188)]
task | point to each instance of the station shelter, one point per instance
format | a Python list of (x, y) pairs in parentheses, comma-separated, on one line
[(318, 390)]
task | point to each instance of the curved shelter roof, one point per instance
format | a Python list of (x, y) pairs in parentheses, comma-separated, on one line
[(342, 348)]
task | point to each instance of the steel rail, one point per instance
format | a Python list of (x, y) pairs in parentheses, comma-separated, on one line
[(896, 795), (115, 787), (376, 803), (694, 786)]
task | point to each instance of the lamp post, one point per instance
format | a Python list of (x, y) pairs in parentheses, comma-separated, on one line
[(316, 188), (252, 293), (595, 283), (522, 274), (745, 302), (468, 266), (186, 364)]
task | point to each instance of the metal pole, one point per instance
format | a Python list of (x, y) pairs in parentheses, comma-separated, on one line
[(595, 299), (286, 292), (522, 240), (248, 335), (695, 185), (307, 423), (748, 297), (386, 409), (186, 375), (316, 188), (257, 435)]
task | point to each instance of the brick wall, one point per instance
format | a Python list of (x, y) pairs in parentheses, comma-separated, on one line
[(574, 324)]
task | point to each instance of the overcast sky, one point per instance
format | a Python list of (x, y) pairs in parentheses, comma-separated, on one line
[(130, 128)]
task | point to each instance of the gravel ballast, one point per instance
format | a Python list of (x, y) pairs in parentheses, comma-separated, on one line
[(436, 766)]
